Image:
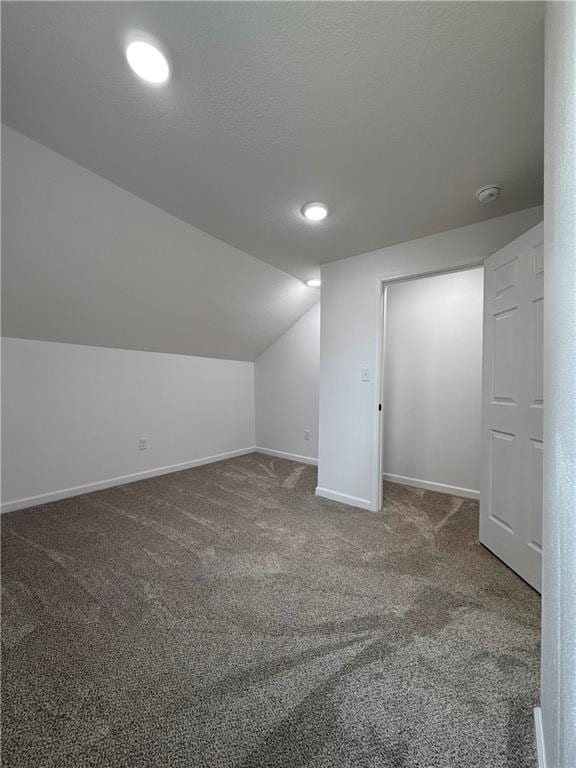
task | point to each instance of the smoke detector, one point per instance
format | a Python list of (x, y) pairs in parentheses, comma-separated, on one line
[(488, 194)]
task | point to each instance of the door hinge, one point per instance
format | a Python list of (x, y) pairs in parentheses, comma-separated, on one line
[(379, 406)]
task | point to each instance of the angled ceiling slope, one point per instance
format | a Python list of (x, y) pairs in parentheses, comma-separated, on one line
[(391, 113), (87, 262)]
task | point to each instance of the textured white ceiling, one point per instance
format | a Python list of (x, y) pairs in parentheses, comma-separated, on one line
[(391, 113)]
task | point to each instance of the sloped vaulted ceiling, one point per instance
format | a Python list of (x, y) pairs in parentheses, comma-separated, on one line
[(86, 262)]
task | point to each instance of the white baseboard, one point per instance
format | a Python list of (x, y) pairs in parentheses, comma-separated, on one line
[(78, 490), (344, 498), (539, 737), (289, 456), (453, 490)]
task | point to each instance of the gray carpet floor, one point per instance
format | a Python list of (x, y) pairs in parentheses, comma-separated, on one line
[(226, 616)]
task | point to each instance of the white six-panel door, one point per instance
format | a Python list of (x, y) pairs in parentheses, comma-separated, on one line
[(511, 489)]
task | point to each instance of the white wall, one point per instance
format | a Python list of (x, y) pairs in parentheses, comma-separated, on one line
[(287, 384), (86, 262), (73, 415), (559, 551), (348, 460), (433, 381)]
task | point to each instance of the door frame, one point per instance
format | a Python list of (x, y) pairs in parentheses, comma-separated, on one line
[(379, 426)]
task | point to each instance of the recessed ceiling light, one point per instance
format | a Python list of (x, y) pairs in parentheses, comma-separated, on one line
[(148, 62), (314, 211), (314, 283)]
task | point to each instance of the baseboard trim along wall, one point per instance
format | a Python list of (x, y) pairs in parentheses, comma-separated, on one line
[(289, 456), (344, 498), (539, 737), (66, 493), (453, 490)]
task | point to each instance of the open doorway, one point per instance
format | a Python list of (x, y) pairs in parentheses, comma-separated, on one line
[(462, 414), (432, 382)]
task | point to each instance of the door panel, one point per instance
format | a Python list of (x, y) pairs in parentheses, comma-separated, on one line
[(537, 357), (505, 277), (512, 405), (504, 375), (502, 501), (536, 470)]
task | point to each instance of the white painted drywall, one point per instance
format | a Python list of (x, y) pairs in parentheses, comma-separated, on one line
[(559, 551), (286, 379), (86, 262), (73, 415), (348, 460), (432, 380)]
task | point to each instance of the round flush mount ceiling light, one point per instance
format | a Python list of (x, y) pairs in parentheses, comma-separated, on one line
[(314, 283), (314, 211), (148, 62), (488, 193)]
